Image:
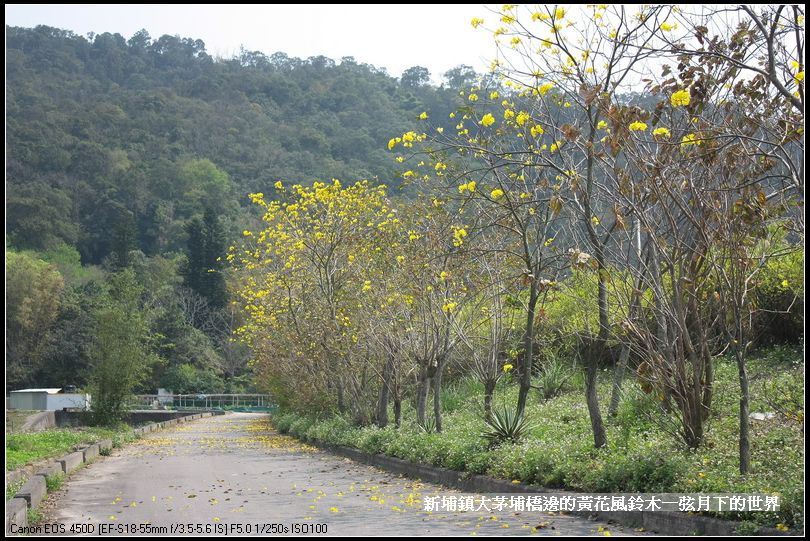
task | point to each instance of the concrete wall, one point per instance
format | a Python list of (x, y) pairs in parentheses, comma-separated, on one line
[(67, 400), (43, 401), (79, 418), (39, 421), (28, 401)]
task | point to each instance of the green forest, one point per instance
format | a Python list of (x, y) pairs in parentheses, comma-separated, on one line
[(139, 154)]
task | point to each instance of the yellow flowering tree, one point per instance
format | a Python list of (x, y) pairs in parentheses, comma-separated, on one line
[(301, 280)]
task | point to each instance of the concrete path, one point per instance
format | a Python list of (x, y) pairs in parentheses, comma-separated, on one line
[(220, 474)]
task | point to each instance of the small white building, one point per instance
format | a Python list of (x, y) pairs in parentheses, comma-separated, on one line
[(48, 400)]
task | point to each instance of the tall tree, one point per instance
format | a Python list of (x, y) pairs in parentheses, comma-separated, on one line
[(33, 295), (205, 247), (121, 357)]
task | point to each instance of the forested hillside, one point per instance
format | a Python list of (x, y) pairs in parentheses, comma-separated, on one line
[(157, 128), (117, 148)]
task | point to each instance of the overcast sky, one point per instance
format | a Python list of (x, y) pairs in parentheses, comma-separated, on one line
[(395, 37)]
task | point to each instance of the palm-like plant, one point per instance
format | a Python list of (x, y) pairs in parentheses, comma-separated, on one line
[(506, 425)]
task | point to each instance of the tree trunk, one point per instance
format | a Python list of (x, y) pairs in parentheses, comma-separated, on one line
[(437, 397), (528, 349), (592, 399), (489, 390), (382, 402), (618, 377), (598, 350), (397, 410), (422, 388), (708, 386), (745, 442)]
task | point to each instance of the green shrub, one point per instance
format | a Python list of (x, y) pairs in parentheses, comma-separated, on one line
[(642, 469), (506, 425), (374, 440), (552, 378), (54, 482)]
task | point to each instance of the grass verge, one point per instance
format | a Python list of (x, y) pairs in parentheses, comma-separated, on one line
[(642, 456)]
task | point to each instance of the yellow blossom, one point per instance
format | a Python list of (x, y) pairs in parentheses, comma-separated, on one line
[(680, 98), (423, 115), (496, 193), (507, 367), (661, 132), (537, 130), (488, 120), (601, 125), (468, 187), (458, 235), (279, 185), (544, 88), (476, 22), (638, 126), (522, 118), (690, 139)]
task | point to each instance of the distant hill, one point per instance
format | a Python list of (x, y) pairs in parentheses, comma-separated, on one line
[(103, 131)]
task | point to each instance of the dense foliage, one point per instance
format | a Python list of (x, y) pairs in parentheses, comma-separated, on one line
[(139, 154)]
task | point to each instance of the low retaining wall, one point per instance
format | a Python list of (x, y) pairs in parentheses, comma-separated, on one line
[(35, 488), (39, 421), (660, 521), (79, 418)]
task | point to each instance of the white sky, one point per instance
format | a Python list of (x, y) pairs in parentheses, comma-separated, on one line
[(395, 37)]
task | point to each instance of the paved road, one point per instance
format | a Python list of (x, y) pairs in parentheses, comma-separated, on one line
[(232, 470)]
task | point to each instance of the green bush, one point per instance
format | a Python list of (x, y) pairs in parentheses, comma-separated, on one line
[(374, 440), (283, 421), (643, 468), (506, 425), (552, 378)]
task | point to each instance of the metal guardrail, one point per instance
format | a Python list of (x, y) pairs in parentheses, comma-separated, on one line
[(202, 401)]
